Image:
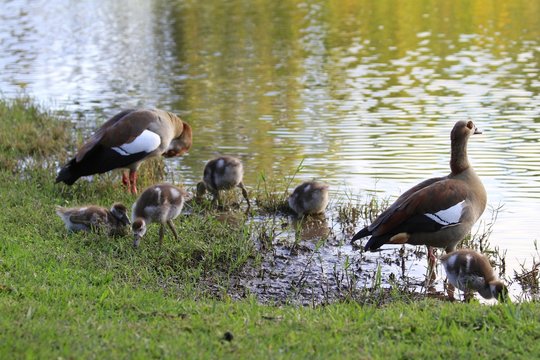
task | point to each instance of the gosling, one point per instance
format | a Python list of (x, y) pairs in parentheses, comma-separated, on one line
[(471, 271), (309, 198), (160, 204), (222, 173), (95, 218)]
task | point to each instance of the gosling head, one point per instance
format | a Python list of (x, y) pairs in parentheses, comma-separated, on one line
[(498, 290), (201, 189), (119, 211), (139, 229)]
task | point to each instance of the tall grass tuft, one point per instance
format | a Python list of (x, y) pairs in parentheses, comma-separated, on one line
[(29, 131), (272, 195), (528, 277)]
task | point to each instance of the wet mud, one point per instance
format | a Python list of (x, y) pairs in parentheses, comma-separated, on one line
[(311, 262)]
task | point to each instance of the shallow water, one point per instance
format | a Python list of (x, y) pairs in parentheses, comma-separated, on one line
[(362, 93)]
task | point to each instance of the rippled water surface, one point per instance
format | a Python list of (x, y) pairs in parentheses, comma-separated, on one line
[(363, 92)]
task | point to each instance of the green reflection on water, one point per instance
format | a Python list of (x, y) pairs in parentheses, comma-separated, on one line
[(273, 81)]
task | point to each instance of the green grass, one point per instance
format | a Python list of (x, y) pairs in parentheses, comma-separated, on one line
[(89, 296), (28, 130), (125, 321)]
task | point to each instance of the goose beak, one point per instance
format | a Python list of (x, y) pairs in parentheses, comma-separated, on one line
[(477, 131), (170, 153), (175, 152)]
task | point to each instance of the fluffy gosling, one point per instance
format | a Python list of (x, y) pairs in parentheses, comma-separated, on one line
[(222, 173), (160, 204), (95, 218), (471, 271), (310, 197)]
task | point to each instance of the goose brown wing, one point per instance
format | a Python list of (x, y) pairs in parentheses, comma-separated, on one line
[(423, 204), (121, 129), (383, 217)]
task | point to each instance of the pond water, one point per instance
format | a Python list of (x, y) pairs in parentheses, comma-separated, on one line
[(363, 93)]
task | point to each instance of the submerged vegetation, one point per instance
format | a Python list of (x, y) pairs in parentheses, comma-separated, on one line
[(230, 287)]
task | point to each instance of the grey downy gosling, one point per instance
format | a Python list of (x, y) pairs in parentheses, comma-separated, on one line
[(95, 218), (471, 271), (159, 203), (222, 173), (310, 197)]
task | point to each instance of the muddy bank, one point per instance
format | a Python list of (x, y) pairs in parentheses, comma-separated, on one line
[(311, 262)]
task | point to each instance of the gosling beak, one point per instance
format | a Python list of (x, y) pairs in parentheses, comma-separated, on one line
[(125, 220)]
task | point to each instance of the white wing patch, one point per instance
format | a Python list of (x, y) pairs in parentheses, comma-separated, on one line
[(147, 141), (448, 216)]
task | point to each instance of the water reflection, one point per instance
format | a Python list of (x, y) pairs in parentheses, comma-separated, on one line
[(365, 92)]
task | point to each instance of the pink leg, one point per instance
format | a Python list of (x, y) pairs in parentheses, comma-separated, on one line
[(432, 259), (125, 179), (133, 181), (432, 265)]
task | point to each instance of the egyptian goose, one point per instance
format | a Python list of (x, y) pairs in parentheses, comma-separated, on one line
[(124, 141), (438, 212), (89, 218), (469, 271), (222, 173), (158, 203), (310, 197)]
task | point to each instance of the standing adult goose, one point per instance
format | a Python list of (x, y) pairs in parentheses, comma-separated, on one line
[(438, 212), (222, 173), (310, 197), (159, 203), (124, 141), (95, 218), (471, 271)]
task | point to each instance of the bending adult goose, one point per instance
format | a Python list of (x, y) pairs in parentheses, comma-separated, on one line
[(127, 139), (310, 197), (469, 271), (158, 203), (438, 212), (222, 173), (89, 218)]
